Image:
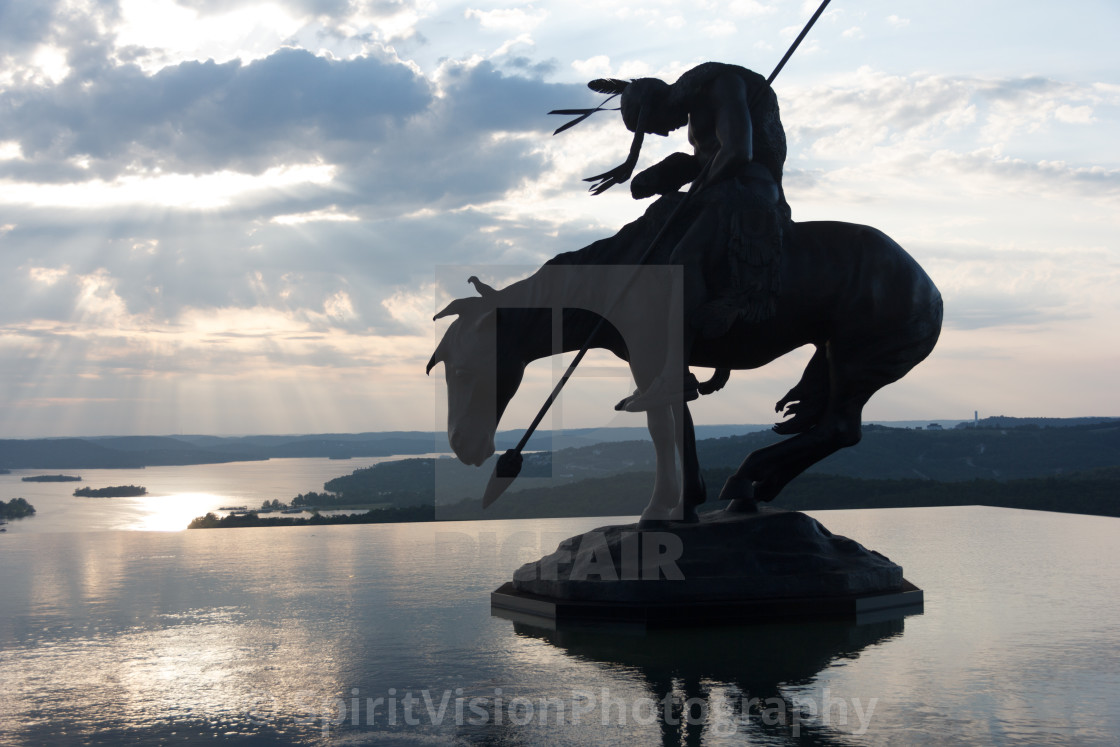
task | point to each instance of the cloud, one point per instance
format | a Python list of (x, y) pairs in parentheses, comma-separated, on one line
[(330, 213), (270, 194), (516, 20), (203, 116), (749, 8), (919, 113), (181, 191)]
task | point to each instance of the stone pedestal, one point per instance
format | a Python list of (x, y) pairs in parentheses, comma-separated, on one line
[(768, 565)]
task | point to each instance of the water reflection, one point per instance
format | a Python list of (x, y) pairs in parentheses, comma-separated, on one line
[(176, 494), (260, 635), (171, 513), (731, 682)]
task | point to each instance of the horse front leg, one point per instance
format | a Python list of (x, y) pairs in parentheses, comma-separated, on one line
[(666, 490)]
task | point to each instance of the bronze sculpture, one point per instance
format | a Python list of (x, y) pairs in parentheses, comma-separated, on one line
[(850, 291)]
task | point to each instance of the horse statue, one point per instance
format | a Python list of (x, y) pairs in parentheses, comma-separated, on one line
[(849, 290)]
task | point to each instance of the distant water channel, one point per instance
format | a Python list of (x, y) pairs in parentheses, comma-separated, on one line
[(383, 635), (176, 494)]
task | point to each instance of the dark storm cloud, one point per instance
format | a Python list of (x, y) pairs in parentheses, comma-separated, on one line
[(459, 151), (394, 140), (485, 98), (201, 116), (397, 147)]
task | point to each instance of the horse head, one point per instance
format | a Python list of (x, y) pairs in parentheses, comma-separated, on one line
[(481, 377)]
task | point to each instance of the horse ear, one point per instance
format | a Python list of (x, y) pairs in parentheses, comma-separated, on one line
[(483, 289), (464, 306)]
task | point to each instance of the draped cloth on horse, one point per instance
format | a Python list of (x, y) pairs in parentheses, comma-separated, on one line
[(732, 234), (743, 232)]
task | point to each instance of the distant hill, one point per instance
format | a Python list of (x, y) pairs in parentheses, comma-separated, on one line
[(1001, 448), (63, 453), (617, 477), (1004, 421), (1092, 493), (130, 452), (951, 455), (1096, 492)]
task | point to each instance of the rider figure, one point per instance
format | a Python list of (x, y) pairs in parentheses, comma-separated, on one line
[(731, 247)]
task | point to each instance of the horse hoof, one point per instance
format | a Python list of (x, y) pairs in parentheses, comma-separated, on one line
[(741, 506), (737, 489), (624, 403)]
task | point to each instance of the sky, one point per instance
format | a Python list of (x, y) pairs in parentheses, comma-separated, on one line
[(237, 217)]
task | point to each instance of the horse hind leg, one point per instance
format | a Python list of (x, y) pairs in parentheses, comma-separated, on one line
[(833, 395), (836, 430), (806, 402), (854, 373), (766, 471)]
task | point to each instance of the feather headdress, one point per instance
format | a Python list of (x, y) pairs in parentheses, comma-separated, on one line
[(612, 87)]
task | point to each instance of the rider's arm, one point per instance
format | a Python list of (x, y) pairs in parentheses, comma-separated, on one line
[(733, 127), (669, 175)]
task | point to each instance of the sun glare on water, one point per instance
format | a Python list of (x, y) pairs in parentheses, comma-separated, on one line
[(172, 513)]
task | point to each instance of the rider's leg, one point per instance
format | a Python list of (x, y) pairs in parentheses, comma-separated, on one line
[(659, 347), (674, 383)]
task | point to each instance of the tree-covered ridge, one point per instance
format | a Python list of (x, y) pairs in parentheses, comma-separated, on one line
[(893, 454), (950, 455), (1096, 493), (1074, 469)]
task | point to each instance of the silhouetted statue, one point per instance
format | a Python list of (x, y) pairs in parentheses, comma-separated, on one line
[(755, 286), (729, 252)]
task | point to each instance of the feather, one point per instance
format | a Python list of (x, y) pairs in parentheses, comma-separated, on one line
[(574, 122), (608, 85), (584, 114)]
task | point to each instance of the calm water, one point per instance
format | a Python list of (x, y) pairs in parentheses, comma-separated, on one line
[(175, 494), (292, 635)]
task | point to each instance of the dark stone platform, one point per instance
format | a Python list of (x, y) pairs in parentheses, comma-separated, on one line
[(768, 565)]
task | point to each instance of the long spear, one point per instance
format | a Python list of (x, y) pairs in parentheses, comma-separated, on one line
[(508, 466)]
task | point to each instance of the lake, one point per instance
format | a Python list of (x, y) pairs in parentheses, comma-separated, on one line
[(176, 494), (382, 634)]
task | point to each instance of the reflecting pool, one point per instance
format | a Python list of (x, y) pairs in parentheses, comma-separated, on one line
[(383, 634)]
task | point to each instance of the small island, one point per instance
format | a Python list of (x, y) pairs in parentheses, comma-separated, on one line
[(117, 491), (17, 508), (52, 478)]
